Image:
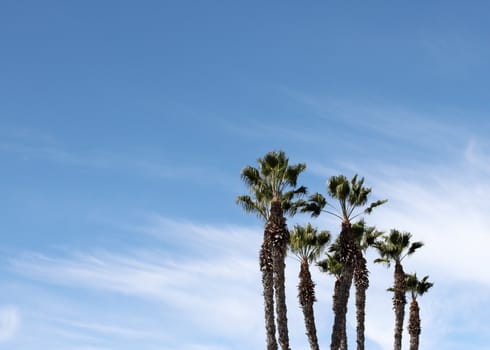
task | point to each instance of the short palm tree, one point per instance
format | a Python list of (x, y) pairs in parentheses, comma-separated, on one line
[(306, 243), (333, 267), (365, 237), (273, 193), (394, 247), (416, 288), (352, 198)]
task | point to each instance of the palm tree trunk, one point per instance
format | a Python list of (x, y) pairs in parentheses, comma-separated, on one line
[(399, 302), (268, 285), (343, 339), (347, 259), (361, 281), (280, 239), (306, 297), (414, 325)]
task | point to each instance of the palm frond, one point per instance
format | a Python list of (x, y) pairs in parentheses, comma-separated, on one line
[(251, 176), (292, 173), (251, 206), (383, 261), (373, 205), (371, 237), (424, 286), (315, 204), (414, 246), (331, 265), (417, 287), (411, 281), (335, 184)]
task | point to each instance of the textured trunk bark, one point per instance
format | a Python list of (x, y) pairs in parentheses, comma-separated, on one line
[(414, 325), (343, 339), (347, 258), (342, 336), (306, 297), (268, 286), (399, 302), (280, 238), (361, 281)]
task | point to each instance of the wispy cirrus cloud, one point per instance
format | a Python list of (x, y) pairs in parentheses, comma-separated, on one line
[(217, 292), (106, 329), (31, 145), (445, 206), (383, 118)]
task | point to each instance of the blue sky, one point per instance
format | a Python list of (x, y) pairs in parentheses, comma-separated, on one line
[(124, 127)]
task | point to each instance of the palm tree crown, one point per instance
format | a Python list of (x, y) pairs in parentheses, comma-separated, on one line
[(273, 179), (396, 246), (350, 195), (307, 243), (417, 287), (365, 236)]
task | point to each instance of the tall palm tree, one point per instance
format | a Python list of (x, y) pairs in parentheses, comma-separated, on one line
[(417, 288), (365, 237), (307, 244), (352, 198), (273, 193), (394, 247)]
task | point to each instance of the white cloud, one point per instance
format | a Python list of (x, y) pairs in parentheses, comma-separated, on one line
[(9, 322), (108, 329), (136, 164), (209, 273), (447, 209), (217, 292), (446, 206)]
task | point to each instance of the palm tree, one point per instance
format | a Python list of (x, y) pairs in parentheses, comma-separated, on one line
[(273, 193), (365, 237), (307, 244), (352, 197), (416, 288), (332, 266), (394, 248)]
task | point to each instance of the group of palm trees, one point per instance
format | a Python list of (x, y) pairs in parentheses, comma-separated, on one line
[(273, 194)]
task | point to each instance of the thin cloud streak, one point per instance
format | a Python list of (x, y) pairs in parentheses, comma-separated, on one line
[(384, 119), (208, 239), (106, 329), (110, 161)]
